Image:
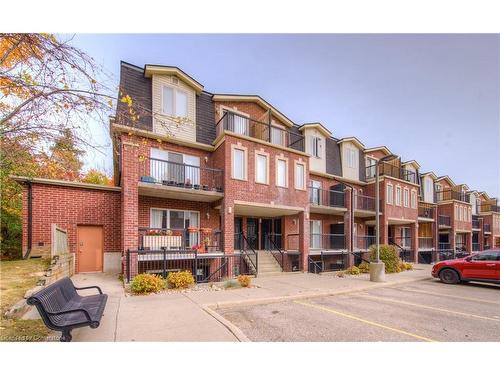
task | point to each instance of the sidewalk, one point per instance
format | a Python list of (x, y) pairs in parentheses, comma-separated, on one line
[(190, 316)]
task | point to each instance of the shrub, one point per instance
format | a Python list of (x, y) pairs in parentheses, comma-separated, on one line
[(245, 281), (364, 267), (229, 284), (405, 266), (341, 274), (353, 270), (389, 255), (146, 283), (180, 280)]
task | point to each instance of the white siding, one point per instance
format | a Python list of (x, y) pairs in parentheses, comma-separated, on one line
[(317, 164), (350, 160)]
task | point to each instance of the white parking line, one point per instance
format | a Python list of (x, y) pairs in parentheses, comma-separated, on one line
[(449, 295)]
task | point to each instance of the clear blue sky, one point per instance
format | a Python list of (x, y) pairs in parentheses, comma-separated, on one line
[(432, 98)]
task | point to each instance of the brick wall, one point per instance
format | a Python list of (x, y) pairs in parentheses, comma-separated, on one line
[(68, 207)]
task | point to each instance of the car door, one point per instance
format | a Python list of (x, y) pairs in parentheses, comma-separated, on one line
[(481, 266)]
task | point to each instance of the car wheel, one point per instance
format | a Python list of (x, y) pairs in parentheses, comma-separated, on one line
[(449, 276)]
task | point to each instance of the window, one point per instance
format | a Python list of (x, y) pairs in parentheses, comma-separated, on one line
[(315, 234), (281, 173), (406, 198), (489, 256), (398, 195), (428, 193), (371, 167), (316, 146), (277, 136), (390, 194), (300, 176), (261, 168), (172, 219), (174, 102), (413, 199), (316, 192), (239, 164), (469, 217), (172, 166), (351, 157)]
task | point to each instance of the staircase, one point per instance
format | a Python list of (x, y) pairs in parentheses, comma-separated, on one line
[(267, 265)]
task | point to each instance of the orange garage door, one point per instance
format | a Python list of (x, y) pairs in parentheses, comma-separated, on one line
[(90, 248)]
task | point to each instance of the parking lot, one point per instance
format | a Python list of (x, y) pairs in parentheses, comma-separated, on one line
[(418, 311)]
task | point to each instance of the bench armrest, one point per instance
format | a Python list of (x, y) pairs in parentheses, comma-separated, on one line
[(87, 316), (90, 287)]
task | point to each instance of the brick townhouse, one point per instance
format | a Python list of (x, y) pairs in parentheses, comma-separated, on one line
[(223, 184)]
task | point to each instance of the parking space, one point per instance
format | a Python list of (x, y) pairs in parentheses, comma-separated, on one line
[(420, 311)]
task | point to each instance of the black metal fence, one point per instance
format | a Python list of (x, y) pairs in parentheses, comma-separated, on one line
[(204, 268), (387, 169), (364, 202), (267, 132), (327, 241), (169, 173), (425, 211), (364, 242), (328, 198), (445, 195), (326, 262), (434, 256), (180, 239)]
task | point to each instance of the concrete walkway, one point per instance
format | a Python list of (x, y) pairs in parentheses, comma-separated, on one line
[(191, 316)]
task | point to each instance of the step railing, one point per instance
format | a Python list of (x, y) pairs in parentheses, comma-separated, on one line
[(404, 252), (250, 255), (276, 251), (314, 266)]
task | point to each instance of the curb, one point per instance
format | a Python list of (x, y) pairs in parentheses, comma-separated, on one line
[(264, 301), (238, 333)]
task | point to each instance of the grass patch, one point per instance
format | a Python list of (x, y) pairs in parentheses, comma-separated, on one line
[(17, 277)]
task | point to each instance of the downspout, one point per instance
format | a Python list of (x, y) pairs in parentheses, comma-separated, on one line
[(30, 219)]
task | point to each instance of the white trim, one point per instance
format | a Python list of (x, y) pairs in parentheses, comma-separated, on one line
[(245, 161), (266, 155), (282, 158), (296, 163)]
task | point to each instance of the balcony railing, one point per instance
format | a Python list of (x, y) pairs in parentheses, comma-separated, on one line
[(276, 135), (425, 243), (489, 208), (364, 202), (444, 246), (328, 198), (426, 211), (386, 169), (172, 239), (476, 247), (487, 228), (444, 220), (162, 172), (403, 241), (327, 241), (364, 242), (446, 195)]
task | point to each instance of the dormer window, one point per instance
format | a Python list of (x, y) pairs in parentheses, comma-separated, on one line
[(351, 157), (174, 102), (316, 146)]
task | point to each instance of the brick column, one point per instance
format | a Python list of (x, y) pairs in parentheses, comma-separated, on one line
[(452, 238), (227, 215), (435, 229), (468, 244), (481, 234), (384, 230), (303, 221), (129, 202), (348, 226), (414, 241)]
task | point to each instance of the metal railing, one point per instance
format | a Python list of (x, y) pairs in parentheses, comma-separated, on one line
[(203, 268), (323, 197), (444, 220), (327, 241), (476, 247), (404, 246), (186, 176), (250, 255), (488, 207), (425, 243), (267, 132), (174, 239), (314, 266), (444, 246), (425, 211), (446, 195), (387, 169), (364, 242), (364, 202), (276, 250), (476, 224)]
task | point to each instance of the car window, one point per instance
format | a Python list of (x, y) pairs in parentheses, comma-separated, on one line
[(489, 256)]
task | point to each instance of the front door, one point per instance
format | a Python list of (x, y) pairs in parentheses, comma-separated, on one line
[(253, 232), (266, 230), (90, 248), (238, 232)]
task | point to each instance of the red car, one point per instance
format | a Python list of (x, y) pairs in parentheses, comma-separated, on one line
[(482, 266)]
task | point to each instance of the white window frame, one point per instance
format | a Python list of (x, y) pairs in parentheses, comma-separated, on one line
[(175, 90), (285, 160), (413, 199), (266, 156), (245, 162), (194, 238), (351, 157), (319, 235), (315, 146), (406, 197), (296, 164), (390, 195), (372, 168), (398, 196)]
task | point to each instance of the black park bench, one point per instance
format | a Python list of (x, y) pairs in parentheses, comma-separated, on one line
[(63, 309)]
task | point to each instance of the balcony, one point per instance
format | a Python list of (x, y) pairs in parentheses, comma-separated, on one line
[(326, 242), (444, 221), (174, 180), (426, 211), (487, 228), (181, 239), (489, 208), (326, 201), (387, 169), (448, 195), (476, 247), (263, 131), (364, 205), (476, 225), (363, 243)]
